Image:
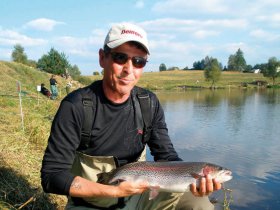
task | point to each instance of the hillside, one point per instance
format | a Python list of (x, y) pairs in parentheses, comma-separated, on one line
[(29, 78)]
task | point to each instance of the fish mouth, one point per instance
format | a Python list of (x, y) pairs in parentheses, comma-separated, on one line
[(228, 175)]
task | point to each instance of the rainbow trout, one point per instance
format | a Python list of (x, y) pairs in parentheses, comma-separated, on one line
[(175, 176)]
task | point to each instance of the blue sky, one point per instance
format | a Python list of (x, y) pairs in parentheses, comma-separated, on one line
[(180, 32)]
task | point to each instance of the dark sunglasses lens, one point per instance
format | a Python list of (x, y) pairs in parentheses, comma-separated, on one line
[(119, 58), (139, 62)]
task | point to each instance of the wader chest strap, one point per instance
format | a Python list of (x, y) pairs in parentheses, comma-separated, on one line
[(89, 104), (146, 110)]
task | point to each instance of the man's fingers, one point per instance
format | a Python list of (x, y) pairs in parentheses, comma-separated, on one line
[(206, 186), (194, 190), (217, 185), (209, 185), (202, 187)]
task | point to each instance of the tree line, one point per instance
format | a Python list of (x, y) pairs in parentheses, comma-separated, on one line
[(236, 62), (57, 63)]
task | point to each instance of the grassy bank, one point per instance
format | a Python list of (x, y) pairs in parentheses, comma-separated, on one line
[(22, 147), (172, 80)]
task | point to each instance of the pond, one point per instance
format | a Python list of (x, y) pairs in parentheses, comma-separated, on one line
[(238, 129)]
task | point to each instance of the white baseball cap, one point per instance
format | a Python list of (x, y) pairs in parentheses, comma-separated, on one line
[(125, 32)]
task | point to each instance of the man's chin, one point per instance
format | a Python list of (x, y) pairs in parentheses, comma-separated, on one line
[(124, 89)]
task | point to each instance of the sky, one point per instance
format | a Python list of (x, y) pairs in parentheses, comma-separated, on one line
[(180, 32)]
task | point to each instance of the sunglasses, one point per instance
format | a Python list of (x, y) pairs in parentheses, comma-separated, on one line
[(122, 58)]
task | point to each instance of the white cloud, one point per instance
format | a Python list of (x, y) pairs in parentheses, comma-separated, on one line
[(231, 48), (139, 4), (270, 19), (182, 6), (173, 25), (264, 35), (75, 46), (227, 23), (201, 34), (172, 53), (97, 37), (176, 30), (9, 37), (43, 24)]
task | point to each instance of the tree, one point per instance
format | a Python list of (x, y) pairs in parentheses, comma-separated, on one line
[(249, 68), (54, 62), (240, 61), (199, 65), (272, 70), (212, 71), (237, 61), (231, 62), (18, 54), (162, 67), (74, 70)]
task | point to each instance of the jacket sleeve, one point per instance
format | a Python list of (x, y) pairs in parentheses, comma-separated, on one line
[(59, 155), (159, 143)]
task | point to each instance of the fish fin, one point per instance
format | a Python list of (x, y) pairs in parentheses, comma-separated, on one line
[(154, 192)]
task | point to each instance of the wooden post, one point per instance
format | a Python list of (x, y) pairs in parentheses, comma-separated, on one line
[(20, 104)]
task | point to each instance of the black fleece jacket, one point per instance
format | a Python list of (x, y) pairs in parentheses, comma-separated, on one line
[(114, 133)]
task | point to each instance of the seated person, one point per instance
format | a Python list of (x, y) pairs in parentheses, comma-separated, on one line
[(45, 91)]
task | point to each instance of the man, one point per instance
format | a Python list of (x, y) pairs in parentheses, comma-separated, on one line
[(53, 84), (116, 136)]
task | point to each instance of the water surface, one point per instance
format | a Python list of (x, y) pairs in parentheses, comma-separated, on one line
[(238, 129)]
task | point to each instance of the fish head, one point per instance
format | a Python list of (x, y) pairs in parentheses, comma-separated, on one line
[(223, 175), (218, 173)]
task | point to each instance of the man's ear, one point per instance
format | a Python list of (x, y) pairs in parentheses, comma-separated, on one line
[(101, 57)]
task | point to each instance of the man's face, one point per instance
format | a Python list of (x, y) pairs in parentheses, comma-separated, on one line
[(119, 79)]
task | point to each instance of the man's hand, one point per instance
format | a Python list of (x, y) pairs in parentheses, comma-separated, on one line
[(207, 186), (126, 188)]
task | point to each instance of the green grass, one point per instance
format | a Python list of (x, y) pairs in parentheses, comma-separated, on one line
[(175, 79)]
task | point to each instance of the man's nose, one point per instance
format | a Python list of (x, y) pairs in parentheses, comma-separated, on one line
[(128, 66)]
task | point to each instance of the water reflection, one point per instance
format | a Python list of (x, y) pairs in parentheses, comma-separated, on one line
[(238, 129)]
